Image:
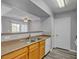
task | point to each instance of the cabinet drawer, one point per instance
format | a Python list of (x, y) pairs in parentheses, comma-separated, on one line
[(33, 47), (31, 50), (15, 53), (22, 56)]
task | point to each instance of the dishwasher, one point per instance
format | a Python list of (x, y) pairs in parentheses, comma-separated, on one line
[(47, 45)]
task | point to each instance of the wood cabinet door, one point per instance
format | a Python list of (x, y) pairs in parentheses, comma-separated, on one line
[(22, 56), (34, 54), (42, 52), (42, 49), (34, 51)]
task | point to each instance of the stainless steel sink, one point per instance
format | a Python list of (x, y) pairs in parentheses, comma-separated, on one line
[(33, 39)]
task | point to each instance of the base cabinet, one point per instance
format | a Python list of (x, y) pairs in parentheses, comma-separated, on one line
[(34, 51), (18, 54)]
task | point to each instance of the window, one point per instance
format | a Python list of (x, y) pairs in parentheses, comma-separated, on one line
[(24, 28), (15, 27)]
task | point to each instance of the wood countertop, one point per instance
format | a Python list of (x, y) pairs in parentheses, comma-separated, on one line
[(10, 46)]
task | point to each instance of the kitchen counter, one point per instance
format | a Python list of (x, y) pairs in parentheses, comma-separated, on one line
[(10, 46)]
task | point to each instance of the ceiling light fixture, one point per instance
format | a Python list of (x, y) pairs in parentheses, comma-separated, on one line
[(25, 19), (62, 3)]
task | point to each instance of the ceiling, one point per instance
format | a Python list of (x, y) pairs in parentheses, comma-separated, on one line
[(55, 8), (20, 8), (19, 14), (26, 6)]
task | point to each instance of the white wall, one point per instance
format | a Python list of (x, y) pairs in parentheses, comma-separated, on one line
[(48, 28), (73, 30), (5, 25), (35, 25), (73, 26), (46, 25)]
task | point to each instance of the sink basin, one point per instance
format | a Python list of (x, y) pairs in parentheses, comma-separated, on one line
[(33, 39), (39, 38)]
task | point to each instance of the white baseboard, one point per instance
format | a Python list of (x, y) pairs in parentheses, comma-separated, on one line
[(68, 49), (51, 49)]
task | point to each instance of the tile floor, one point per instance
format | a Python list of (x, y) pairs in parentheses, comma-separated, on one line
[(60, 54)]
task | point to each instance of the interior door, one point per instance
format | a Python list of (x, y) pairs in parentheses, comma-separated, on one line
[(62, 31)]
